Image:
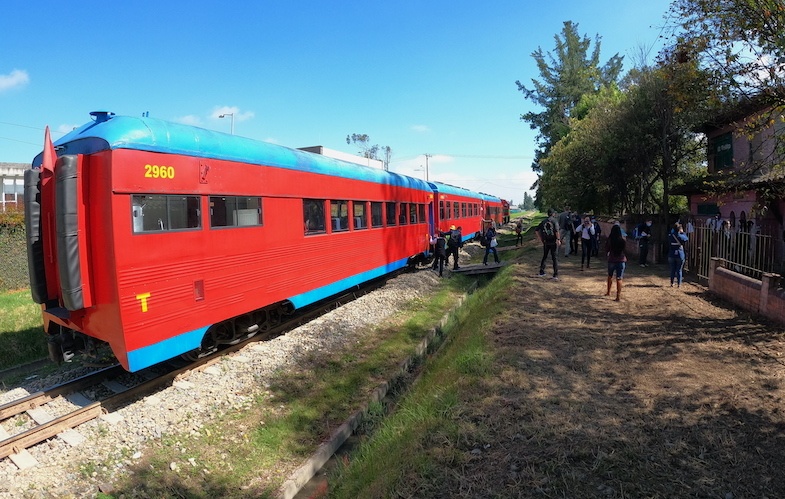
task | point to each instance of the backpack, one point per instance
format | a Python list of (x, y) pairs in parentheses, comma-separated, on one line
[(548, 232)]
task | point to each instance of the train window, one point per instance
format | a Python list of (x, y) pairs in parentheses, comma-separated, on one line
[(391, 213), (421, 208), (235, 211), (463, 210), (313, 216), (455, 209), (360, 220), (157, 213), (377, 218), (442, 215), (412, 213), (403, 214), (339, 215)]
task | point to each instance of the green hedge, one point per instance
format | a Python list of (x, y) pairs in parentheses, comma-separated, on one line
[(13, 251)]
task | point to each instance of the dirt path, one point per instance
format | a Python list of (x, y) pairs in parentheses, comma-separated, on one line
[(668, 393)]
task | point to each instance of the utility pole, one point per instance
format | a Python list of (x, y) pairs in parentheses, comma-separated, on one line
[(427, 179)]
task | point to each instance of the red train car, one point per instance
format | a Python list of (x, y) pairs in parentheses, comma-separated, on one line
[(163, 239), (459, 207)]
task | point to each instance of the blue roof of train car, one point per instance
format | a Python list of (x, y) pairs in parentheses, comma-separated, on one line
[(456, 191), (150, 134)]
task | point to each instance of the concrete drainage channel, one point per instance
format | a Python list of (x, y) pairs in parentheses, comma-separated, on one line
[(304, 482)]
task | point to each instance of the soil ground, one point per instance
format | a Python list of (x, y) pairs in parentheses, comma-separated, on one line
[(666, 393)]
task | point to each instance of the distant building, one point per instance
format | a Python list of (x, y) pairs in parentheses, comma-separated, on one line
[(13, 180), (351, 158)]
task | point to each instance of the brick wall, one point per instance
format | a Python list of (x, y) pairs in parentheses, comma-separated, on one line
[(764, 297)]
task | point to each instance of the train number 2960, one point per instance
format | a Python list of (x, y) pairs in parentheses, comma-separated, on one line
[(155, 171)]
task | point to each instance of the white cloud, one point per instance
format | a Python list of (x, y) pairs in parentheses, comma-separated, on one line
[(421, 128), (16, 78), (191, 119)]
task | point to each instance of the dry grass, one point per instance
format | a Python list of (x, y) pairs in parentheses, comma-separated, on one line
[(664, 394)]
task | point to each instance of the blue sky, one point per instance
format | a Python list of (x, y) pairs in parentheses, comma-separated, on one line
[(422, 77)]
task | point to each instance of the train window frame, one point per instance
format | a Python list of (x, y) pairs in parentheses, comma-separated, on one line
[(390, 215), (339, 215), (403, 214), (421, 212), (247, 216), (442, 215), (362, 217), (456, 210), (312, 209), (464, 214), (377, 214), (413, 213), (178, 219)]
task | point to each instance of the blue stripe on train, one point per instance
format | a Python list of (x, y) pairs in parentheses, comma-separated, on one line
[(191, 340)]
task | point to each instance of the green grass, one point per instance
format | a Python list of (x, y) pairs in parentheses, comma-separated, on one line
[(399, 459), (250, 452), (22, 339)]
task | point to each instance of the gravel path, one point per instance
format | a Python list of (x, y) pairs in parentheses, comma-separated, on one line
[(113, 443)]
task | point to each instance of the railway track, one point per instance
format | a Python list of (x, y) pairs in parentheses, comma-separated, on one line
[(32, 409)]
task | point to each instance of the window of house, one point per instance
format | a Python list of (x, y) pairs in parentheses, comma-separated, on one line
[(235, 211), (722, 150), (314, 216), (158, 213)]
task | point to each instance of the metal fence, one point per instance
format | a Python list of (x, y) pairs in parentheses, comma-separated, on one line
[(747, 253)]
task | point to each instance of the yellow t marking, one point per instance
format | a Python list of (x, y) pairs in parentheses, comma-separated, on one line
[(143, 298)]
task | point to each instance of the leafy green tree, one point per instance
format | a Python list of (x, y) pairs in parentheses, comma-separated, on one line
[(567, 74), (740, 42)]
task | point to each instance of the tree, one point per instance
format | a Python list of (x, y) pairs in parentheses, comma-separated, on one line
[(741, 45), (740, 42), (566, 77)]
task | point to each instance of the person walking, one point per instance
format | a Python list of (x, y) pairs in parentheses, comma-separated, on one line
[(676, 256), (617, 259), (519, 233), (439, 243), (586, 234), (595, 241), (565, 229), (548, 234), (453, 244), (644, 237), (490, 236)]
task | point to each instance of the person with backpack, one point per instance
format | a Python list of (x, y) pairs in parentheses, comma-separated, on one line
[(548, 234), (519, 233), (455, 242), (490, 236), (643, 235), (617, 260), (439, 243)]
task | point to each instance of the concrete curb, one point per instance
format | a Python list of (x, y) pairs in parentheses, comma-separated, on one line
[(304, 473)]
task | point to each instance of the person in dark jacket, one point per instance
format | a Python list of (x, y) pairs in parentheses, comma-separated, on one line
[(453, 244), (644, 236), (617, 259), (677, 238), (490, 236), (439, 243)]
